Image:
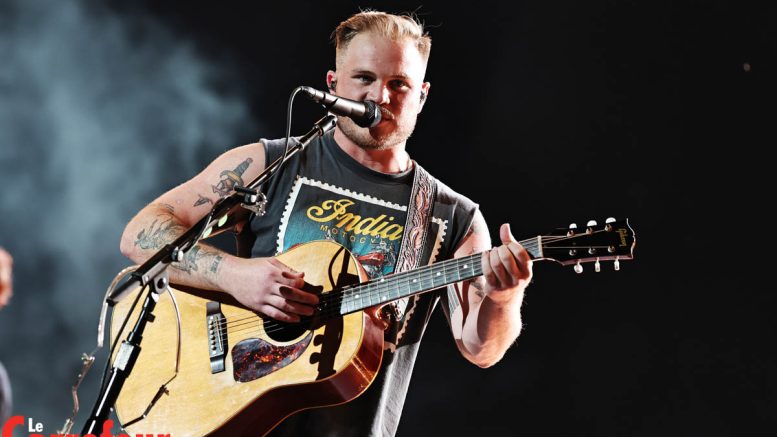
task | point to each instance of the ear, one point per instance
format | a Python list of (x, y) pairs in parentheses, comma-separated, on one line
[(425, 92), (331, 80)]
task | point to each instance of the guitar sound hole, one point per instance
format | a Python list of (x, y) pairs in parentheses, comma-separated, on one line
[(282, 332)]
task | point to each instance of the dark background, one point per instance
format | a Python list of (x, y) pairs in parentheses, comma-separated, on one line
[(544, 113)]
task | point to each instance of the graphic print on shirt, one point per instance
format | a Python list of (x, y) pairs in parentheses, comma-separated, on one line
[(370, 228)]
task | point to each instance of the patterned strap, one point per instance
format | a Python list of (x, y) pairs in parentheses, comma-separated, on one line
[(419, 209)]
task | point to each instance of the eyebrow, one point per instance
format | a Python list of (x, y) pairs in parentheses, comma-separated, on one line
[(371, 73)]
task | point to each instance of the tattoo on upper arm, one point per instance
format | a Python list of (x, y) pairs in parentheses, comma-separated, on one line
[(168, 207), (231, 178), (157, 235), (202, 200)]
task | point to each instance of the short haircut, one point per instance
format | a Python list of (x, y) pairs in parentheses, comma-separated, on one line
[(395, 27)]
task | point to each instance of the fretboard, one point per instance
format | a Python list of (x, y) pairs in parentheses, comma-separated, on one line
[(354, 298)]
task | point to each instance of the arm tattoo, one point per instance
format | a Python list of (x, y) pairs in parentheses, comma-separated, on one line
[(157, 236), (202, 200), (168, 207), (230, 178), (200, 259)]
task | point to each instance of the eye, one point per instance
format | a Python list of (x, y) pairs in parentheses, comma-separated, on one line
[(399, 85), (364, 79)]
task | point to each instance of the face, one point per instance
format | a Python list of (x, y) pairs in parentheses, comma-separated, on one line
[(390, 73)]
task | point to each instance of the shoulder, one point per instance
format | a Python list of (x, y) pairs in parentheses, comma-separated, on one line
[(457, 210), (448, 198)]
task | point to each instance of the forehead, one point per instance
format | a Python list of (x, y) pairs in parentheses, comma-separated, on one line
[(369, 51)]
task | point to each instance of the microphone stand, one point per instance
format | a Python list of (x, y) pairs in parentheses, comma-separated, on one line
[(153, 271)]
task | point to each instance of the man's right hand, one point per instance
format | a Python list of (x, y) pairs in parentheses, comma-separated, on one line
[(270, 287)]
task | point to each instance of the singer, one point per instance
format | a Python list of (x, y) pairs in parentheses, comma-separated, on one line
[(356, 186)]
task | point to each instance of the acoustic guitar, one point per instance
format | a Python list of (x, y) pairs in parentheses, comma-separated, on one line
[(226, 370)]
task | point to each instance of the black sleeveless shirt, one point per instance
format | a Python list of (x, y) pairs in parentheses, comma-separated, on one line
[(323, 193)]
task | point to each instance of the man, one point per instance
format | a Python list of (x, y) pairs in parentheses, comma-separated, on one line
[(6, 290), (340, 188)]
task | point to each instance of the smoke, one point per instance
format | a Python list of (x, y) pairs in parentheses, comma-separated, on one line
[(99, 114)]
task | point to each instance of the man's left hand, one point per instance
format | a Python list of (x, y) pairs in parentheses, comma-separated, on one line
[(507, 268)]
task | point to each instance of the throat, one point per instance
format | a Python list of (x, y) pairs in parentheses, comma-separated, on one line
[(391, 160)]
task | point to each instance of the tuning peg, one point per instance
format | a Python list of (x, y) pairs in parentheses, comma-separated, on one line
[(616, 265), (597, 266), (608, 224), (578, 268), (590, 226), (591, 223), (572, 227)]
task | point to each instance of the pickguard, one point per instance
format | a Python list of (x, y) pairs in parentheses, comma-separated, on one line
[(254, 358)]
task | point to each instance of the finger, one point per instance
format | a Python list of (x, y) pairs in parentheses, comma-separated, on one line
[(488, 272), (508, 261), (290, 307), (499, 270), (522, 258), (297, 283), (505, 234), (275, 313), (297, 295), (285, 270)]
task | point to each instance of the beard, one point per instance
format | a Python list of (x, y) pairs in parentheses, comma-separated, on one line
[(375, 138)]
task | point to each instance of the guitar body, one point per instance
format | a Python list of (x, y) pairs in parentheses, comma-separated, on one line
[(270, 370)]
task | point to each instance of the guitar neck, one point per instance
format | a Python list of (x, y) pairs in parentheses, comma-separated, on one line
[(359, 297)]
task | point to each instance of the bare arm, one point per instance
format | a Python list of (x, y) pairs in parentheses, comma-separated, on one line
[(485, 313), (6, 277), (263, 284)]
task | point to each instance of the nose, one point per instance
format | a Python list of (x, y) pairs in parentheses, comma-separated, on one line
[(380, 94)]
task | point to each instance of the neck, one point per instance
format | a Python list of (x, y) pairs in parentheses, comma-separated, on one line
[(391, 160)]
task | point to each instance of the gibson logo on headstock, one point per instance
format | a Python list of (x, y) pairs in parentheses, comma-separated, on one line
[(623, 233)]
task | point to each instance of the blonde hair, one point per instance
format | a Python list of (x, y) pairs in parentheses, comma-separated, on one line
[(392, 26)]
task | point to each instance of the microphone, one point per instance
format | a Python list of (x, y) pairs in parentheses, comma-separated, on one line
[(364, 114)]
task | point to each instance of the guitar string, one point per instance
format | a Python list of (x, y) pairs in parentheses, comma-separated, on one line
[(377, 294), (396, 281), (530, 244), (270, 325), (402, 279), (371, 290)]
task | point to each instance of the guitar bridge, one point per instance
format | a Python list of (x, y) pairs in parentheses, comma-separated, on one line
[(217, 336)]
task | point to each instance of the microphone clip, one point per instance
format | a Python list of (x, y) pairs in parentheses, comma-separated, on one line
[(253, 200)]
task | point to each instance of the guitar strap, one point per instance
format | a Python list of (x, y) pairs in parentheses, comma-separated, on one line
[(419, 210)]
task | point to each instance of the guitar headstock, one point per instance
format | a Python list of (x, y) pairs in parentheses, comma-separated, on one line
[(613, 240)]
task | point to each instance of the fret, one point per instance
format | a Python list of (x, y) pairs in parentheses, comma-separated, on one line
[(393, 287), (438, 277), (347, 304), (415, 281), (366, 295), (384, 291)]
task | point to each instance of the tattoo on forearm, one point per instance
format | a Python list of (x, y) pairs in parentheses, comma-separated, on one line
[(200, 259), (202, 200), (189, 262), (231, 178), (214, 266), (157, 235)]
